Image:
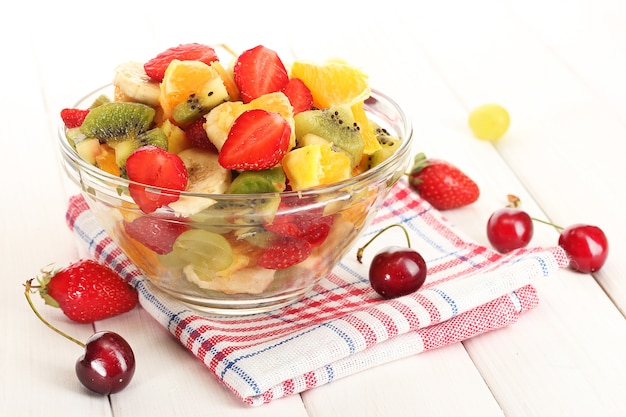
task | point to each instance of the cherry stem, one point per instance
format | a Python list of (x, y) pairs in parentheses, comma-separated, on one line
[(514, 202), (359, 253), (32, 306), (548, 223)]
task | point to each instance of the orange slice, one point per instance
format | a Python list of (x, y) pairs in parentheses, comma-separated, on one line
[(332, 83), (181, 79), (106, 161)]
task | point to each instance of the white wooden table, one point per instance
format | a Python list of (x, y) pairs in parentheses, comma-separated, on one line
[(558, 66)]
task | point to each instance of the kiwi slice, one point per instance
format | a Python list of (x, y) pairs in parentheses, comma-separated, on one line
[(265, 181), (335, 124), (123, 149), (117, 121), (100, 100), (201, 102), (389, 144)]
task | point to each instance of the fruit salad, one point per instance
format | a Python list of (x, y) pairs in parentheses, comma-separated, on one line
[(189, 124)]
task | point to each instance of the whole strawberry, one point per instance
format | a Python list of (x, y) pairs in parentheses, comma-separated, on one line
[(442, 184), (87, 291)]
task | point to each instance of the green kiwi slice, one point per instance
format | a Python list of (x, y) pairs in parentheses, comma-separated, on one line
[(117, 121), (389, 144), (124, 148), (335, 124), (200, 103), (264, 181)]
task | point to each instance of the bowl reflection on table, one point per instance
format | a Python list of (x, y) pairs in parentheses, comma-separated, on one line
[(347, 207)]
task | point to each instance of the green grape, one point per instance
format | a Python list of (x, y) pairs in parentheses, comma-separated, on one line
[(203, 249), (489, 121)]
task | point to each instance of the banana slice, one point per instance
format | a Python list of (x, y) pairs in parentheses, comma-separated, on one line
[(219, 121), (132, 80), (248, 280), (206, 176)]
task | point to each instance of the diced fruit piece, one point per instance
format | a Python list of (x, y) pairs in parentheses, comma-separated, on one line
[(284, 252), (299, 95), (239, 280), (271, 180), (124, 148), (314, 165), (155, 167), (310, 225), (219, 120), (73, 117), (337, 125), (257, 140), (206, 251), (189, 90), (157, 232), (370, 142), (259, 71), (157, 66), (388, 146), (227, 79), (205, 176), (106, 160), (177, 138), (116, 122), (132, 81), (332, 83), (88, 149), (100, 100), (197, 136)]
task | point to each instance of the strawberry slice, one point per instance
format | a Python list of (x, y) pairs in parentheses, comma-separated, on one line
[(284, 252), (157, 232), (73, 117), (309, 225), (258, 139), (259, 71), (155, 67), (154, 166), (299, 95), (197, 136)]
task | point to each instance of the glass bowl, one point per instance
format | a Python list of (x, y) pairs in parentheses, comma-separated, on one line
[(233, 230)]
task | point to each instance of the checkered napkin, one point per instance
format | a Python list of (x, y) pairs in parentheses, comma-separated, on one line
[(342, 326)]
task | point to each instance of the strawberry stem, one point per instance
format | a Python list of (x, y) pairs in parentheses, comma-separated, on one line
[(359, 253), (32, 306)]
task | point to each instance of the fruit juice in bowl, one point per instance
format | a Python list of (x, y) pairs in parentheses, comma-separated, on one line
[(244, 205)]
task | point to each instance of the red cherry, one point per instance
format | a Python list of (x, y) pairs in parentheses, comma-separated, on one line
[(397, 271), (509, 228), (108, 364), (586, 246)]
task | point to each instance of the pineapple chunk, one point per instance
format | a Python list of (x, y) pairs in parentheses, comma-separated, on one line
[(316, 164)]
